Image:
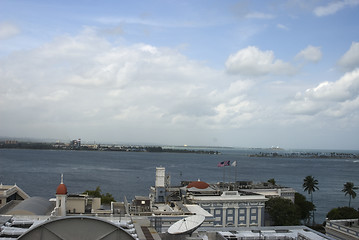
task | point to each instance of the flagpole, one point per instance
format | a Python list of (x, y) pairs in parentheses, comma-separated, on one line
[(224, 177), (236, 173)]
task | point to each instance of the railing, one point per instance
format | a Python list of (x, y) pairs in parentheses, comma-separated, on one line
[(233, 237), (338, 225), (8, 191)]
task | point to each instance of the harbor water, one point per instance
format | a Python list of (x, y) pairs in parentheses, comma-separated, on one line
[(131, 174)]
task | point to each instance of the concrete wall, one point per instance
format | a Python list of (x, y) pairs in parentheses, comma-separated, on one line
[(75, 205), (96, 203)]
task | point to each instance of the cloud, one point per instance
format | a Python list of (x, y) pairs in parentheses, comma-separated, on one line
[(85, 82), (350, 60), (8, 30), (159, 23), (312, 54), (117, 30), (251, 61), (282, 26), (259, 15), (339, 97), (334, 7), (86, 86)]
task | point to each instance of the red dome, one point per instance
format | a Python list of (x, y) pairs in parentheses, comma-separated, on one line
[(61, 189), (198, 184)]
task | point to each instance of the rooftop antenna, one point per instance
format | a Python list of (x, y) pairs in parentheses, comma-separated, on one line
[(186, 225)]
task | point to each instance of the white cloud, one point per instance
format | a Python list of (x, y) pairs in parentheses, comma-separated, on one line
[(117, 30), (350, 59), (329, 98), (282, 26), (259, 15), (235, 113), (85, 86), (313, 54), (86, 79), (8, 30), (252, 61), (57, 95), (334, 7)]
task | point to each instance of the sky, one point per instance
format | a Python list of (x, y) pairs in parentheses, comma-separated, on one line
[(203, 73)]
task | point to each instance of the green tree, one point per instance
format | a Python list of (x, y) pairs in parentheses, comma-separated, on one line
[(94, 193), (272, 181), (304, 207), (310, 186), (283, 212), (105, 198), (343, 213), (349, 190)]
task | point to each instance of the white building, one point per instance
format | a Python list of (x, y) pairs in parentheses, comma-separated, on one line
[(233, 209)]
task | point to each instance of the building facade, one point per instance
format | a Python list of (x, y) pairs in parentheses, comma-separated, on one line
[(233, 209)]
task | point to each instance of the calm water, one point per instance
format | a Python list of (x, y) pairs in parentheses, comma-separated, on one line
[(128, 174)]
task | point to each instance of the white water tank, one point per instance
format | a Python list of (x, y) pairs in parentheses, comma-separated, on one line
[(160, 177)]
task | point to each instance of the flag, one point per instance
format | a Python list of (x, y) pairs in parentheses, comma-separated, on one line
[(225, 163), (234, 164)]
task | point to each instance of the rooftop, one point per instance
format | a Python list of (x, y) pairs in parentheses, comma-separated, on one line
[(229, 196)]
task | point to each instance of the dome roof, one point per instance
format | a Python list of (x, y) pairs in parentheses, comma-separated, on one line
[(61, 189), (76, 227), (198, 184)]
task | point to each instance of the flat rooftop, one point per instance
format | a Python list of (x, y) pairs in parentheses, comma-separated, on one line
[(280, 232)]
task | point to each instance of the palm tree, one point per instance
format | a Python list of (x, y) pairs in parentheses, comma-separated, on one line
[(349, 190), (310, 185)]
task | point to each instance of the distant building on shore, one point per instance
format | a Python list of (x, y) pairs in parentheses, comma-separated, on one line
[(75, 144)]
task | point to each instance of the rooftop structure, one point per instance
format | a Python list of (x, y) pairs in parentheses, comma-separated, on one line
[(347, 229), (11, 192), (35, 227), (198, 185), (86, 228), (274, 233), (61, 189), (32, 206), (186, 225), (286, 193)]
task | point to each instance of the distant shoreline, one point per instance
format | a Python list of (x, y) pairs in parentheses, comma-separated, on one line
[(99, 147), (259, 152), (334, 155)]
